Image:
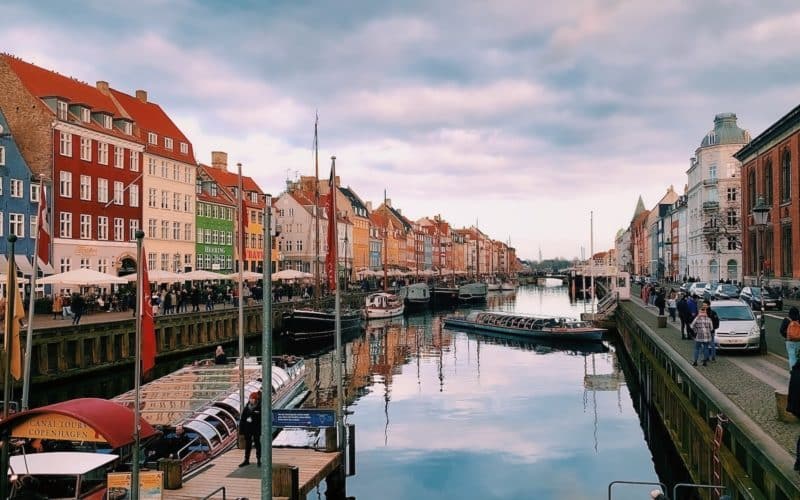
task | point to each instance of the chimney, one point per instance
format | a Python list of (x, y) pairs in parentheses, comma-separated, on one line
[(369, 206), (142, 95), (219, 160), (388, 202), (102, 87)]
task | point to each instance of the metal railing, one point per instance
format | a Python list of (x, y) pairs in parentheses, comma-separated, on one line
[(221, 488)]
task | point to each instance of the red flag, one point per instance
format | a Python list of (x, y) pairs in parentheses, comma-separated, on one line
[(332, 257), (148, 347), (43, 226)]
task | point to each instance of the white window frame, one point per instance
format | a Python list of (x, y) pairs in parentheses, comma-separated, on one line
[(133, 195), (164, 229), (102, 153), (119, 229), (62, 110), (33, 226), (86, 115), (152, 228), (66, 264), (86, 188), (152, 138), (16, 188), (187, 231), (1, 224), (119, 157), (102, 190), (65, 224), (86, 149), (2, 155), (184, 148), (102, 227), (65, 184), (65, 144), (176, 231), (152, 197), (86, 227), (16, 224), (119, 193), (168, 143), (108, 122), (133, 226), (134, 161)]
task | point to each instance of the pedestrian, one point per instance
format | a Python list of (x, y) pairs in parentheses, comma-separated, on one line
[(793, 406), (792, 344), (659, 302), (78, 305), (712, 345), (692, 305), (250, 428), (672, 307), (219, 356), (683, 315), (58, 306), (701, 326)]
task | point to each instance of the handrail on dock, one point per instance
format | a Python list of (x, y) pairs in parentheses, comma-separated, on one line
[(221, 488)]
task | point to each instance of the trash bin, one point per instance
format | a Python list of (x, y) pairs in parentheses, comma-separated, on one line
[(171, 467), (662, 321)]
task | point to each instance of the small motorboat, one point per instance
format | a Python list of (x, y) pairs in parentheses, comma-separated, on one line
[(383, 305), (473, 292), (549, 327), (416, 296)]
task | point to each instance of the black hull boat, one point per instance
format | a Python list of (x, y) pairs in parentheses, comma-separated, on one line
[(444, 296), (308, 324), (473, 293), (416, 297), (523, 326)]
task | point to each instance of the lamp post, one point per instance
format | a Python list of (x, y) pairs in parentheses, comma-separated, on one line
[(760, 215)]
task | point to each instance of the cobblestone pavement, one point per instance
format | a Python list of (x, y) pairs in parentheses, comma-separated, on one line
[(748, 380)]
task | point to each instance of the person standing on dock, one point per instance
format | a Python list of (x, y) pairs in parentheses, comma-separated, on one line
[(702, 327), (671, 307), (791, 345), (712, 344), (683, 315), (250, 428), (660, 302), (793, 405)]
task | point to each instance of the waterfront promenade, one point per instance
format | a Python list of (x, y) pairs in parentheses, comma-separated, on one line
[(748, 380)]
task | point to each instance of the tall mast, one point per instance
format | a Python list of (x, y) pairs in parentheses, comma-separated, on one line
[(316, 210)]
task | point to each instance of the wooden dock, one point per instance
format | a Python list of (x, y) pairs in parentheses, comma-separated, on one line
[(245, 482)]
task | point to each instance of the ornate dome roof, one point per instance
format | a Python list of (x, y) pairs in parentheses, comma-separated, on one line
[(725, 131)]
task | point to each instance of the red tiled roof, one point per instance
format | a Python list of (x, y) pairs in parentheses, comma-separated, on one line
[(149, 117), (218, 199), (230, 180)]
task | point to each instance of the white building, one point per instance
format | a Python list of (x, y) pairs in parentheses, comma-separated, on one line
[(714, 203)]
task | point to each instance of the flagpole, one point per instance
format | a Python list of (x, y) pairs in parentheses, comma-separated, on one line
[(338, 324), (316, 210), (11, 287), (137, 361), (26, 381), (241, 289), (266, 353)]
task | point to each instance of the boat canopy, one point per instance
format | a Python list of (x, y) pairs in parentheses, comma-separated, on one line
[(59, 463), (84, 419)]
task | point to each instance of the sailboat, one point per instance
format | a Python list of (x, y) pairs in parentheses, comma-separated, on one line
[(307, 324)]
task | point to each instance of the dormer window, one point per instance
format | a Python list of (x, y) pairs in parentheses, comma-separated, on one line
[(127, 128), (168, 143), (86, 115), (152, 138), (184, 148), (107, 122), (63, 110), (213, 189), (254, 197)]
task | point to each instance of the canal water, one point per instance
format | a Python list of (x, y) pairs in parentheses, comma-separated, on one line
[(440, 413)]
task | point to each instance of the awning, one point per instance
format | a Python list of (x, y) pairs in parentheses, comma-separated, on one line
[(45, 268), (23, 265)]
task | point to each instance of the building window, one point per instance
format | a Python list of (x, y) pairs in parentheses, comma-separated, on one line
[(164, 199), (184, 148), (102, 265), (733, 217), (17, 188), (168, 143), (164, 230), (187, 231), (86, 188), (119, 189), (107, 122), (215, 237), (164, 169), (199, 235), (176, 262), (732, 194), (66, 264), (16, 225), (62, 110), (751, 187), (86, 149), (152, 195), (133, 226), (65, 144), (786, 176), (102, 190), (207, 236), (2, 155), (151, 261), (187, 203), (86, 263), (102, 228), (86, 227), (151, 166), (152, 227), (176, 231), (65, 184), (119, 229), (152, 138), (127, 128), (176, 201), (65, 225), (102, 153), (767, 183), (164, 261), (134, 161), (133, 195), (733, 243), (119, 157), (786, 250)]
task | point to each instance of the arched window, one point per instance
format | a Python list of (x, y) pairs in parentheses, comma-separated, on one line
[(733, 270), (786, 176), (768, 182), (713, 268), (751, 187)]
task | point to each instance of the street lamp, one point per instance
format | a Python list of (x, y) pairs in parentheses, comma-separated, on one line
[(760, 214)]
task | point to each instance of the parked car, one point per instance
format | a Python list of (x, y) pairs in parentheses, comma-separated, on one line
[(726, 291), (696, 288), (685, 287), (751, 295), (708, 291), (738, 328)]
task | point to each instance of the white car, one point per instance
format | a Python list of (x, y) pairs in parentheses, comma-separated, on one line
[(697, 288), (738, 327)]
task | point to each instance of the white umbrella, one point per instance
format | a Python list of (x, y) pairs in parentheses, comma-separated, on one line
[(291, 274), (157, 275), (201, 275), (82, 277), (4, 278), (246, 275)]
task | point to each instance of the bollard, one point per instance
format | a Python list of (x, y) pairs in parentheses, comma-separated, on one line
[(662, 321), (171, 467)]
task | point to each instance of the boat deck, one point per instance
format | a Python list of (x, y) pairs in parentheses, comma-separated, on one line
[(245, 482)]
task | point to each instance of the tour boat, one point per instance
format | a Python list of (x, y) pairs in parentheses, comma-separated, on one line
[(527, 326), (309, 324), (416, 296), (204, 399), (383, 305), (60, 474), (444, 294)]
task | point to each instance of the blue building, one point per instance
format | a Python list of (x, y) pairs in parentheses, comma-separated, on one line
[(19, 203)]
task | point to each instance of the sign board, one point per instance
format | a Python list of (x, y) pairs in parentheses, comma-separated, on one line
[(56, 426), (303, 418), (150, 485), (215, 267)]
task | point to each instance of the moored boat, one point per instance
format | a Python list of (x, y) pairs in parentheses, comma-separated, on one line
[(309, 324), (472, 292), (60, 474), (548, 327), (383, 305), (416, 296), (444, 294)]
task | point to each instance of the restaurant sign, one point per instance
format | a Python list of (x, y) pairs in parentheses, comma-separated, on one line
[(150, 485), (55, 426)]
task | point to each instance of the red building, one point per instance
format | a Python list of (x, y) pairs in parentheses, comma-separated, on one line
[(770, 169), (77, 138)]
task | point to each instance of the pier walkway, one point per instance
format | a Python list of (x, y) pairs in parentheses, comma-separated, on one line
[(748, 380)]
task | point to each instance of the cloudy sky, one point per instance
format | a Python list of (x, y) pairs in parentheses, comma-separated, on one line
[(522, 115)]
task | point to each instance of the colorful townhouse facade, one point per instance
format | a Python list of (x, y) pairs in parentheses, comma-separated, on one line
[(215, 226)]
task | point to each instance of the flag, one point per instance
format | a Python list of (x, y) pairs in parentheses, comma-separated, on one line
[(43, 226), (148, 347), (13, 324), (331, 257)]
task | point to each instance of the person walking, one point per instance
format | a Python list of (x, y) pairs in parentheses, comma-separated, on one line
[(683, 315), (58, 306), (660, 302), (792, 345), (701, 326), (672, 308), (78, 305), (692, 306), (250, 428), (712, 344)]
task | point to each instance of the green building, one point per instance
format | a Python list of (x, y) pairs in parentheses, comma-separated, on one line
[(215, 227)]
